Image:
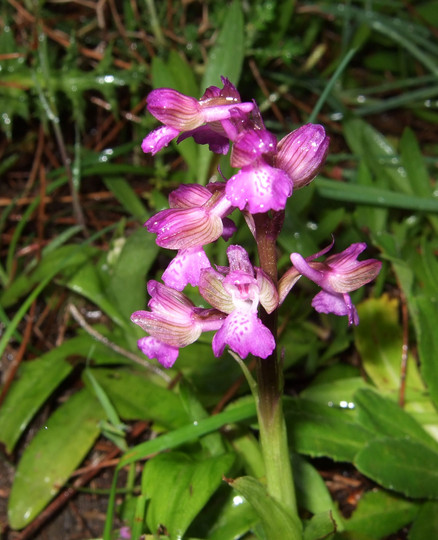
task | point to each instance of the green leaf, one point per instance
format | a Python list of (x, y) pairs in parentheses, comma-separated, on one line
[(36, 381), (427, 320), (373, 196), (179, 487), (88, 281), (63, 257), (384, 416), (413, 161), (312, 492), (380, 514), (378, 153), (52, 456), (401, 465), (241, 411), (173, 74), (379, 340), (127, 285), (127, 197), (136, 397), (425, 525), (338, 393), (213, 442), (318, 430), (278, 524), (237, 517), (319, 527), (227, 54)]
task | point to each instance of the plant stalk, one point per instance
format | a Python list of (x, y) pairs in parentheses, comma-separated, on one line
[(273, 435)]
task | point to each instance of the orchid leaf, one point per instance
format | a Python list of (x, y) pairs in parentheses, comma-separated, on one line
[(278, 524), (403, 465), (53, 454), (178, 488), (380, 514), (319, 430)]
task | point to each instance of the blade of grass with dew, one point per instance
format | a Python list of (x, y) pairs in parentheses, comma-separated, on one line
[(353, 193), (328, 88)]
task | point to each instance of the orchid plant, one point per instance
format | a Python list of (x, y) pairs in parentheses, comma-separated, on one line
[(244, 298)]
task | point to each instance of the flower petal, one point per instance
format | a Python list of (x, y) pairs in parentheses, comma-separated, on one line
[(259, 188), (245, 334), (174, 109), (337, 304), (153, 348), (158, 139), (185, 228), (186, 268)]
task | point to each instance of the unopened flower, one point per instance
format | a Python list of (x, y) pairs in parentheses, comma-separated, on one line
[(339, 275), (238, 291), (302, 153), (173, 322), (196, 218), (188, 116)]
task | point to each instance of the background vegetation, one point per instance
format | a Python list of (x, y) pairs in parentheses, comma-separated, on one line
[(79, 407)]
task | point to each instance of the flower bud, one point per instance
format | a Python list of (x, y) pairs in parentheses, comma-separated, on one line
[(302, 153)]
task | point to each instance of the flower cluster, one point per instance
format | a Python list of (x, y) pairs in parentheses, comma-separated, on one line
[(268, 171)]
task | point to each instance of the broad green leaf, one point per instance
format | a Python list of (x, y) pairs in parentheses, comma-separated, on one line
[(319, 527), (319, 430), (379, 341), (179, 487), (426, 329), (425, 525), (380, 514), (227, 54), (127, 284), (402, 465), (36, 381), (136, 397), (384, 416), (88, 281), (312, 492), (53, 454), (338, 393), (278, 524), (236, 518)]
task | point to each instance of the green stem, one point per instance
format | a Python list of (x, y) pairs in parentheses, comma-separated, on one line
[(273, 435)]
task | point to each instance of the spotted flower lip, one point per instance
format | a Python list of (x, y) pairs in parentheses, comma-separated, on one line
[(339, 275), (238, 290), (200, 119), (186, 268)]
